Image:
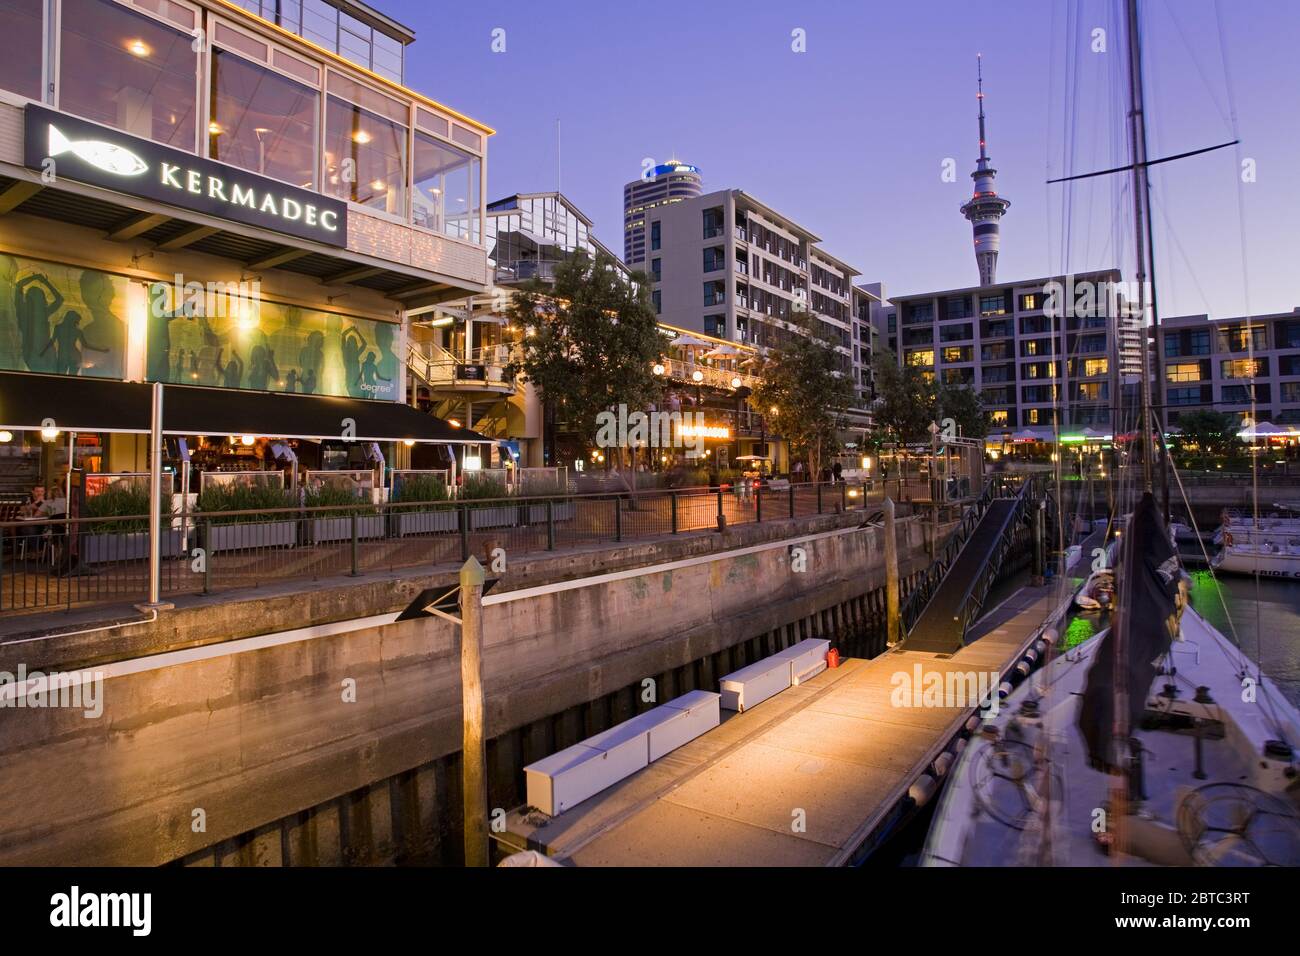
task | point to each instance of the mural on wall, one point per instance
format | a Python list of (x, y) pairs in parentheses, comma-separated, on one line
[(225, 337), (61, 319)]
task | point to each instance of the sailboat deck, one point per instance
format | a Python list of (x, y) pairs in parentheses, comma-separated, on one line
[(833, 754)]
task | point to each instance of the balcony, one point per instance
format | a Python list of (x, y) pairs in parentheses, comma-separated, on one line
[(483, 370), (710, 377)]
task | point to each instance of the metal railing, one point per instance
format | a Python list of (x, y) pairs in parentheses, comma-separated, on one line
[(75, 562)]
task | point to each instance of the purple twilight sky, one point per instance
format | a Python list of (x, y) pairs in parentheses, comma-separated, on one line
[(849, 138)]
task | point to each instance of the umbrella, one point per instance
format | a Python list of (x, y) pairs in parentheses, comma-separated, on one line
[(1095, 433), (1261, 430), (689, 341), (1026, 434), (722, 350)]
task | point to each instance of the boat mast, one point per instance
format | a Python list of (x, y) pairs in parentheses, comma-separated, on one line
[(1143, 249)]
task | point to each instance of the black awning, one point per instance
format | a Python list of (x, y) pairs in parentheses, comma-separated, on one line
[(104, 405), (74, 404)]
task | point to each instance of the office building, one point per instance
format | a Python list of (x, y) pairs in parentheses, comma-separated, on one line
[(667, 183)]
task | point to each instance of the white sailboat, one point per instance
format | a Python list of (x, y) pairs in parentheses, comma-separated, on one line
[(1154, 742)]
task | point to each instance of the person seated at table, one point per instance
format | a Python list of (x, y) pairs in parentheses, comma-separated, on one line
[(33, 503), (55, 504)]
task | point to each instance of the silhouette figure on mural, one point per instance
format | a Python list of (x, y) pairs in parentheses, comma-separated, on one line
[(68, 340), (34, 312), (159, 331), (353, 343), (11, 353), (104, 326), (232, 373), (366, 380), (310, 361), (387, 356), (291, 380), (261, 368)]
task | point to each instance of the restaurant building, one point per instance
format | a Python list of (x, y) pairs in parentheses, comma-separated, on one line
[(247, 211)]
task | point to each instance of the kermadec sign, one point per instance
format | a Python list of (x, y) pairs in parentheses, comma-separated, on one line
[(100, 156)]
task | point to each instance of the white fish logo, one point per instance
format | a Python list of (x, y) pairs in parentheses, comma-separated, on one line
[(105, 156)]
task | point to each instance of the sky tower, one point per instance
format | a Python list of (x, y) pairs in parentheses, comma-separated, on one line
[(986, 207)]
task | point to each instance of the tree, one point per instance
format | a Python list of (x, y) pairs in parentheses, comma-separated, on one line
[(907, 402), (1206, 434), (590, 340), (904, 405), (804, 381), (964, 406)]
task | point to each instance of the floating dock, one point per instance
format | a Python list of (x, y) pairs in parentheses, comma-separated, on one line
[(811, 777)]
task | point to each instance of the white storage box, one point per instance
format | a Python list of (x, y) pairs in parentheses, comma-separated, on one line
[(804, 658), (809, 674), (563, 780), (685, 718), (754, 684)]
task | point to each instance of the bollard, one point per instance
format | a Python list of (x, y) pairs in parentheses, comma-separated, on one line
[(473, 746), (354, 572)]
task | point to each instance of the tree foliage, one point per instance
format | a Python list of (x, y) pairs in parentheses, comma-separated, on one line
[(1207, 435), (590, 340), (907, 402), (803, 380)]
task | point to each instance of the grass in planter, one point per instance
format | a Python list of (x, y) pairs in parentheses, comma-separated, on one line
[(219, 498), (126, 500), (342, 502), (478, 487), (421, 489), (545, 488)]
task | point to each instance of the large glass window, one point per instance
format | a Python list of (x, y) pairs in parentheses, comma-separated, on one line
[(129, 71), (446, 197), (20, 67), (365, 157), (262, 121)]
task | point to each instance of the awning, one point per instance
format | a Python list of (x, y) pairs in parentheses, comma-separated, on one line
[(30, 402)]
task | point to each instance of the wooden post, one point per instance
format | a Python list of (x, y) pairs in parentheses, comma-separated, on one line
[(893, 620), (473, 748)]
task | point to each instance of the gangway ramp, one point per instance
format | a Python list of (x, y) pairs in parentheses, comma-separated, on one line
[(942, 625)]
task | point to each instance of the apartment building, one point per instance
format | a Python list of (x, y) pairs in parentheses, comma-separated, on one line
[(728, 265), (670, 182), (1214, 363), (1029, 347)]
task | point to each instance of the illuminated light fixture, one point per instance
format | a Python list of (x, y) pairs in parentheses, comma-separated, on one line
[(658, 369), (866, 463), (49, 434), (247, 439), (853, 492), (453, 422), (6, 436), (735, 382), (361, 136), (138, 48), (408, 442), (440, 323), (378, 185), (214, 128), (697, 376), (773, 409)]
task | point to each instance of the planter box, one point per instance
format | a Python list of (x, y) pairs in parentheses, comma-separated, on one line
[(261, 534), (425, 522), (340, 529), (497, 516), (560, 511), (126, 546)]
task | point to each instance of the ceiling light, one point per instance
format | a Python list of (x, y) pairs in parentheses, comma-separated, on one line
[(138, 48)]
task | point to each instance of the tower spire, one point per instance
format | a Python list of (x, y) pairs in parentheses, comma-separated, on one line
[(985, 208)]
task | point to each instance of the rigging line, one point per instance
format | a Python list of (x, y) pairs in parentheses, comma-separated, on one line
[(1182, 35), (1149, 162), (1245, 291), (1164, 213)]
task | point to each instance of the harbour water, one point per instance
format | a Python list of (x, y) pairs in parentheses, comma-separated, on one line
[(1265, 618)]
